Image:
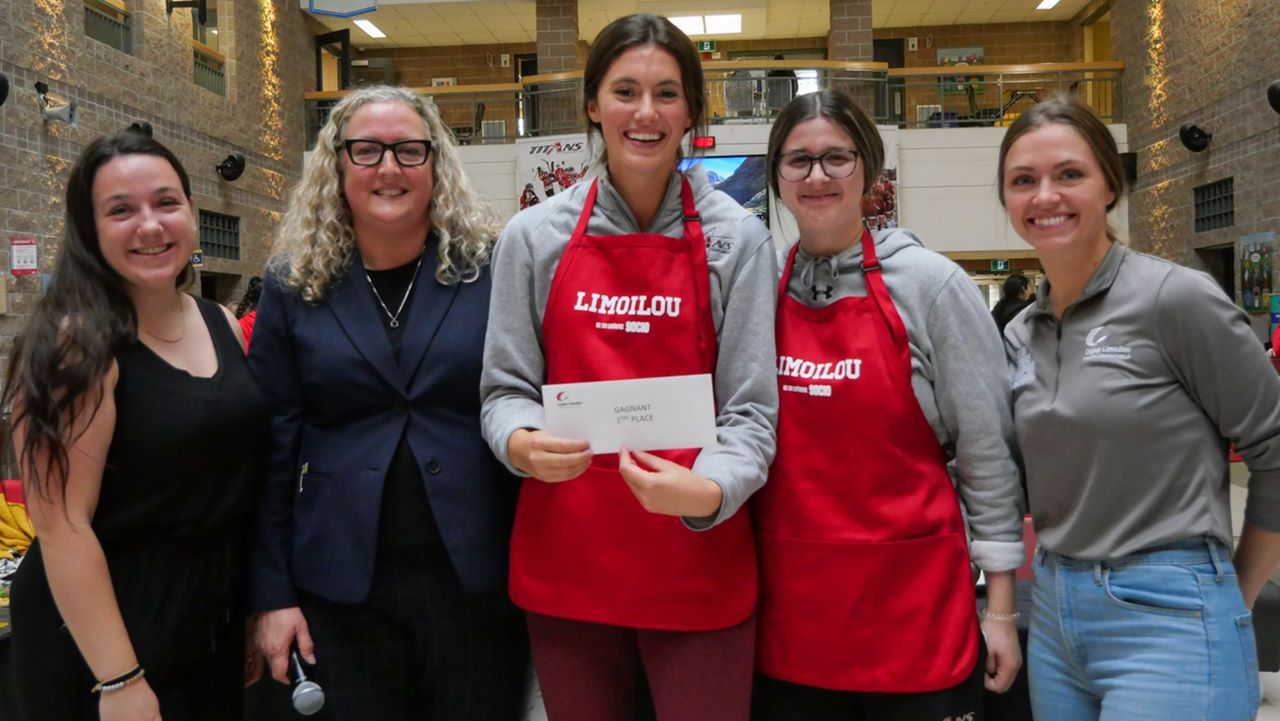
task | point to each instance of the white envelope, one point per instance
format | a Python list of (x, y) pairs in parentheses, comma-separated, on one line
[(641, 414)]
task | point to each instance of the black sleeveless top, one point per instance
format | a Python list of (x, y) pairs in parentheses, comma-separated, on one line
[(174, 504), (186, 450)]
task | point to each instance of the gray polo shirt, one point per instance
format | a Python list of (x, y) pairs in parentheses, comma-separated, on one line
[(1124, 410)]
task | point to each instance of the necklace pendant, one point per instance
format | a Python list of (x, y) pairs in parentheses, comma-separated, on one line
[(395, 323)]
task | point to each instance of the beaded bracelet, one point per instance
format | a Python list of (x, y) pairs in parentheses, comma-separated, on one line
[(989, 616), (115, 684)]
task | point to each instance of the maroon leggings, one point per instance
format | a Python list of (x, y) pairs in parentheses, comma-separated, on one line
[(588, 671)]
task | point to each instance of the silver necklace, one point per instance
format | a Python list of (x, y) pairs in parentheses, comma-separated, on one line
[(395, 317)]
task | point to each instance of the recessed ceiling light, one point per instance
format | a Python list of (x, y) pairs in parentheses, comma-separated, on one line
[(724, 24), (372, 30), (1046, 4), (691, 25)]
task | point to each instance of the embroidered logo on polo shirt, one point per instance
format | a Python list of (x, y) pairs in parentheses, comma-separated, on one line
[(1096, 346), (1024, 373)]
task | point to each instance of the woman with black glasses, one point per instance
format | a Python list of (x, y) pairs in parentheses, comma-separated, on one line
[(381, 550), (893, 414)]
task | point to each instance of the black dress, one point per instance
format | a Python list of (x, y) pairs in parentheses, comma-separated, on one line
[(171, 516)]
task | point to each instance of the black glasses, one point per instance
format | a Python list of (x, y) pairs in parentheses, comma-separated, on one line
[(836, 164), (365, 152)]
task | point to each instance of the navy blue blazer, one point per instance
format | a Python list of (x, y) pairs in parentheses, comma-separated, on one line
[(340, 403)]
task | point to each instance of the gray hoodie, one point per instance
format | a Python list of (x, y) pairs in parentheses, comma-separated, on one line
[(742, 272), (958, 372)]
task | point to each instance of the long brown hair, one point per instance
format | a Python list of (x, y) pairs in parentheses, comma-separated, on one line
[(79, 325)]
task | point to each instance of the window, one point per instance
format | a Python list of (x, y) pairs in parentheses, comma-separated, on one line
[(219, 235), (1215, 205), (107, 21), (210, 64)]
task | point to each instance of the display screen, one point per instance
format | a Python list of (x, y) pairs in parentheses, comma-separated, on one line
[(741, 177)]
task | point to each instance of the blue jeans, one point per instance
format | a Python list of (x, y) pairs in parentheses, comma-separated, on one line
[(1161, 635)]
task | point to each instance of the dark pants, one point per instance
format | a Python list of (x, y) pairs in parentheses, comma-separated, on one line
[(782, 701), (420, 647), (589, 671)]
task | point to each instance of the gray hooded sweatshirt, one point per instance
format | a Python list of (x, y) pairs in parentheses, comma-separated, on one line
[(742, 272), (958, 372)]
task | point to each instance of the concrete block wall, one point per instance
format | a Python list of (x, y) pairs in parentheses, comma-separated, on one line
[(270, 66)]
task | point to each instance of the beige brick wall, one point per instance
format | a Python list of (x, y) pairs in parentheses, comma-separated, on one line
[(1210, 65), (1002, 43), (269, 54), (470, 65)]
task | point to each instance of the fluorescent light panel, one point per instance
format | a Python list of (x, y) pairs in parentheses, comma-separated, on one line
[(709, 24), (1046, 4), (690, 24), (724, 24), (372, 30)]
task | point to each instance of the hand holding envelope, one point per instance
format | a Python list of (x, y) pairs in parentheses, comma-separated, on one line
[(627, 416), (668, 489), (546, 457), (644, 414)]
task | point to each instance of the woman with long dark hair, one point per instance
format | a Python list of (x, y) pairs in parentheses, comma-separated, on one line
[(126, 394), (636, 559)]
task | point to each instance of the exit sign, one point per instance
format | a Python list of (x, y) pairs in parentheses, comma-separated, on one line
[(999, 265), (706, 46)]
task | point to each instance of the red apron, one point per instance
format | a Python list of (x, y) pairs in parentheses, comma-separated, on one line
[(865, 581), (628, 306)]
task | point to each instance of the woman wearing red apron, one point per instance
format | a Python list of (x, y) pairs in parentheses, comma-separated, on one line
[(889, 368), (636, 562)]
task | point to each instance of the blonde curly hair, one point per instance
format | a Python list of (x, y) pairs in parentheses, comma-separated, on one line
[(315, 239)]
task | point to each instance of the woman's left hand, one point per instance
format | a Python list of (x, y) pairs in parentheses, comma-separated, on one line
[(668, 488), (1004, 655)]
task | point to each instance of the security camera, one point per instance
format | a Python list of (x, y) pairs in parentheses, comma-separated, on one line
[(4, 87), (1194, 138), (1273, 95), (231, 167), (65, 112)]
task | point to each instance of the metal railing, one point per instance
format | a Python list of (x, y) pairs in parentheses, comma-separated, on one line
[(109, 25), (994, 95), (754, 92), (210, 68)]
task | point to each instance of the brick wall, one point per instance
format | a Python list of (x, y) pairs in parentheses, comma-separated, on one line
[(268, 48), (470, 65), (1209, 65), (1002, 43)]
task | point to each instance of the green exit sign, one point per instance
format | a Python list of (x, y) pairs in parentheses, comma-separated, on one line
[(706, 46), (999, 265)]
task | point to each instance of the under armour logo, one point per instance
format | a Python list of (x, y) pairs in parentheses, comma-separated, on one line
[(826, 294)]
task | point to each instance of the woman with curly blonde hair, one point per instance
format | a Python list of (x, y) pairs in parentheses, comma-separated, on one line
[(381, 548)]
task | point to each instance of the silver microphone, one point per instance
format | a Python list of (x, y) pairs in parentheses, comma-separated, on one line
[(308, 697)]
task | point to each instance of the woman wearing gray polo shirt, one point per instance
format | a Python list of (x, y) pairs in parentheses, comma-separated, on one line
[(1131, 376)]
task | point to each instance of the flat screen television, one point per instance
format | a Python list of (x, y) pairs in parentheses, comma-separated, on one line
[(741, 177)]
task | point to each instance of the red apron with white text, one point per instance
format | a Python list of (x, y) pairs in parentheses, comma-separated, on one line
[(620, 307), (865, 581)]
